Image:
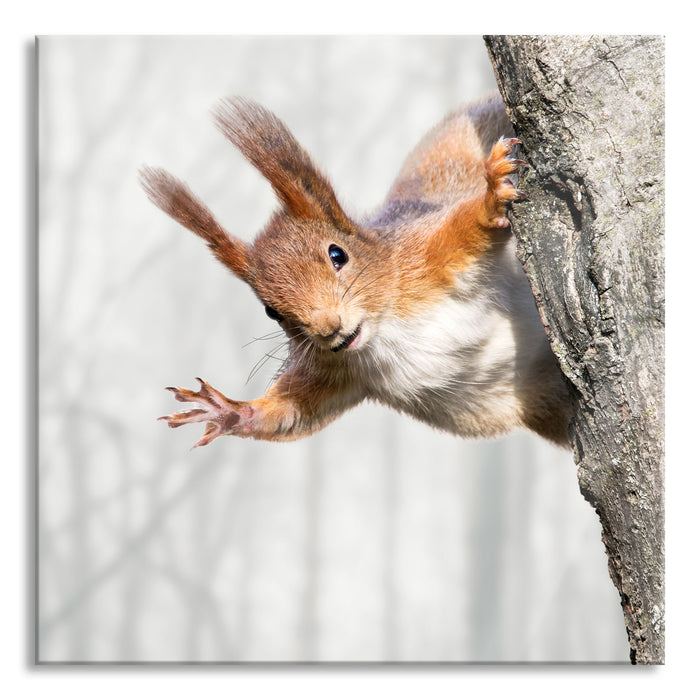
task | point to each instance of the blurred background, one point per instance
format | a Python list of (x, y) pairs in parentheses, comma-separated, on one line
[(377, 539)]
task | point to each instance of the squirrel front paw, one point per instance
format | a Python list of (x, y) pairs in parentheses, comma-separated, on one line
[(500, 188), (222, 415)]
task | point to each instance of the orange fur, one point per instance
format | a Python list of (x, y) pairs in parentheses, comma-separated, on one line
[(445, 165)]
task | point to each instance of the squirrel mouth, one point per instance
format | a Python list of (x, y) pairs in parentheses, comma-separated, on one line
[(347, 340)]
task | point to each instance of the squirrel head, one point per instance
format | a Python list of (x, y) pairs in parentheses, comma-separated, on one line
[(318, 280), (318, 273), (311, 264)]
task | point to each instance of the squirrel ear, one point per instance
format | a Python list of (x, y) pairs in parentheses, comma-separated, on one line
[(267, 143), (178, 201)]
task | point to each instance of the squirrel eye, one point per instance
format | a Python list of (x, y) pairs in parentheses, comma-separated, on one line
[(338, 256), (273, 314)]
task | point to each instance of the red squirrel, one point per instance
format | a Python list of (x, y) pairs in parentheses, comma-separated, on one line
[(421, 306)]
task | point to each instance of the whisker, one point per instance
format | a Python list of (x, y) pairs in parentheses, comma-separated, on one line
[(349, 287), (364, 286), (269, 336), (303, 345), (263, 360)]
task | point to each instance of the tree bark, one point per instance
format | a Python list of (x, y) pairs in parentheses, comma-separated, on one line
[(590, 114)]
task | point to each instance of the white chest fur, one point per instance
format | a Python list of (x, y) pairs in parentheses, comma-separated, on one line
[(457, 366)]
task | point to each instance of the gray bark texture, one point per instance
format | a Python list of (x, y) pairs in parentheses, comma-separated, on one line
[(590, 114)]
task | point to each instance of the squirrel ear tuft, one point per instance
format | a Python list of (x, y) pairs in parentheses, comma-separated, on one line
[(267, 143), (177, 200)]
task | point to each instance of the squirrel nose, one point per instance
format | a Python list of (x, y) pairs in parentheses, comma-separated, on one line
[(326, 322)]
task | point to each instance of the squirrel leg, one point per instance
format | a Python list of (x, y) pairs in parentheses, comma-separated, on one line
[(280, 414), (473, 224), (500, 190)]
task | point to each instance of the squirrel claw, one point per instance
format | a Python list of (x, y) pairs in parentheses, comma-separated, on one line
[(212, 431), (222, 415), (501, 191), (175, 420)]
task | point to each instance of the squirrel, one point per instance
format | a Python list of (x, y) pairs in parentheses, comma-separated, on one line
[(421, 306)]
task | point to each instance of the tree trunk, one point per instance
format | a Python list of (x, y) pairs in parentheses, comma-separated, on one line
[(590, 114)]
